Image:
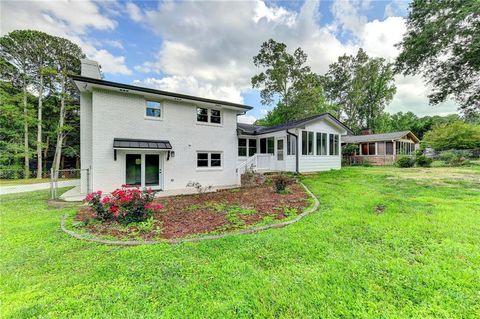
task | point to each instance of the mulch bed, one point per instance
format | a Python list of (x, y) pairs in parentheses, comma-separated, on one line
[(220, 211)]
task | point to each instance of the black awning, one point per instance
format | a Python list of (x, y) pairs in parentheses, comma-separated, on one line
[(126, 143)]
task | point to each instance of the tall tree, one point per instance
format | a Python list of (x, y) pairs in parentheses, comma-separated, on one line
[(16, 52), (287, 81), (360, 87), (67, 57), (442, 43), (42, 61)]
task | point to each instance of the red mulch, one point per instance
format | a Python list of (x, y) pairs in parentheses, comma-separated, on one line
[(188, 215)]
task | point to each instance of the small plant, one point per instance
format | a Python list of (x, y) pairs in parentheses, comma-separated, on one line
[(281, 181), (241, 211), (423, 161), (290, 212), (200, 189), (218, 207), (405, 161)]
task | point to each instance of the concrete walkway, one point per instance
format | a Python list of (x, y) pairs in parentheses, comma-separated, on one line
[(35, 187)]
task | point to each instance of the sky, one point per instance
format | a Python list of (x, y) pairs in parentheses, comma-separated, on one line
[(206, 48)]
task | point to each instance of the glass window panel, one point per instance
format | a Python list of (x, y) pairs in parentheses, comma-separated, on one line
[(215, 159), (319, 143), (371, 149), (310, 143), (331, 146), (304, 142), (280, 150), (152, 176), (389, 148), (242, 147), (202, 159), (324, 143), (133, 169), (271, 145), (263, 146), (202, 114), (215, 116), (252, 147), (337, 144)]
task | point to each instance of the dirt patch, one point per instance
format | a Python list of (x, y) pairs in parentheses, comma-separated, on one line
[(220, 211)]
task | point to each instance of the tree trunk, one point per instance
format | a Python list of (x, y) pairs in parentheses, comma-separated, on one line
[(45, 153), (26, 150), (60, 134), (39, 128)]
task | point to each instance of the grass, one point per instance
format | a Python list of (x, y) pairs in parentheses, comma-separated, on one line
[(385, 243), (23, 181)]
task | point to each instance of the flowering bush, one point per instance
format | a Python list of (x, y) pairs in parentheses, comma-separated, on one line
[(124, 205)]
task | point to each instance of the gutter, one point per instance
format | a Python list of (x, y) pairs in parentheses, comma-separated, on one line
[(296, 152)]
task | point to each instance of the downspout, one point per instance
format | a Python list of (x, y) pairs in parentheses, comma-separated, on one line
[(296, 152)]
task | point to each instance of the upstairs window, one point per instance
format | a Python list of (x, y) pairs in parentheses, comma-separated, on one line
[(205, 115), (202, 115), (154, 109)]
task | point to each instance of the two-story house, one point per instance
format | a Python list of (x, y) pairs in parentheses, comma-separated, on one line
[(151, 138)]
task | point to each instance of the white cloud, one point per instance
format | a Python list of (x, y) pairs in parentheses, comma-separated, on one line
[(207, 47), (134, 12), (68, 19), (114, 44), (249, 119)]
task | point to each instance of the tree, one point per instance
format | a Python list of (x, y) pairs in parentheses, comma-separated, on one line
[(442, 43), (457, 135), (15, 53), (67, 57), (360, 87), (288, 81)]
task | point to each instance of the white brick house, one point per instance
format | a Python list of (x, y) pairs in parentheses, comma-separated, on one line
[(151, 138)]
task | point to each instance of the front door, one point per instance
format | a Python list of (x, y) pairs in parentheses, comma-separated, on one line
[(144, 170)]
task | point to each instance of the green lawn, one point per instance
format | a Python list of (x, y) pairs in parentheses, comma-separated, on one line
[(419, 257)]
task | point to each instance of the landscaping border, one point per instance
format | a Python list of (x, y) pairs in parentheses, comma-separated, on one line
[(252, 230)]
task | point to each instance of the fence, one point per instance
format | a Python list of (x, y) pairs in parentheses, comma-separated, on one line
[(66, 178)]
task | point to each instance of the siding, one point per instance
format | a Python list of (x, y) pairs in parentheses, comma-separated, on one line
[(121, 115)]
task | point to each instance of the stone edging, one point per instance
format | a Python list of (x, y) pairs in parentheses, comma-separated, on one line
[(193, 239)]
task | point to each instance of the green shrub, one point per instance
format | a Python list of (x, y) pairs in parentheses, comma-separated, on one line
[(454, 157), (423, 161), (281, 181), (405, 161)]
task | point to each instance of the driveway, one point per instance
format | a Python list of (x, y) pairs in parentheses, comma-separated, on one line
[(35, 187)]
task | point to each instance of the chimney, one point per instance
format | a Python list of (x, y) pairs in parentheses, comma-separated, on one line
[(90, 69), (367, 131)]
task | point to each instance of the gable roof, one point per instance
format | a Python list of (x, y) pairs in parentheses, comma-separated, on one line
[(378, 137), (251, 129), (177, 96)]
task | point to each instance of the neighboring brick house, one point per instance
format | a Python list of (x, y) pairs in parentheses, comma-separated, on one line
[(381, 149), (151, 138)]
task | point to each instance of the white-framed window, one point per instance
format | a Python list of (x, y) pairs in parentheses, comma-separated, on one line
[(334, 144), (153, 109), (322, 143), (307, 143), (209, 159), (267, 145), (206, 115), (291, 145), (247, 147)]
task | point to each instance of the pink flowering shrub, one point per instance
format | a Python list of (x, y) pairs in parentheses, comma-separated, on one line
[(125, 205)]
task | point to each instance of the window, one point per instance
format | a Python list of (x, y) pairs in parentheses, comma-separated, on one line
[(215, 116), (280, 150), (307, 142), (209, 159), (202, 115), (242, 147), (209, 116), (252, 147), (215, 159), (368, 148), (291, 145), (202, 159), (153, 109), (267, 145), (389, 148), (334, 141), (244, 150), (321, 143)]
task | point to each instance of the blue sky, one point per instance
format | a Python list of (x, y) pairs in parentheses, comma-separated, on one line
[(206, 48)]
